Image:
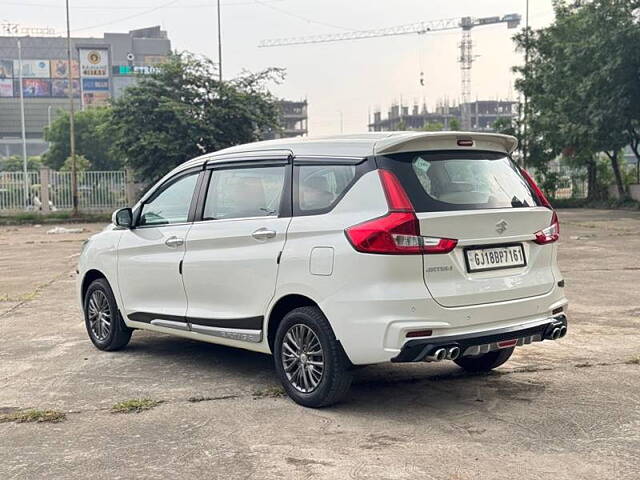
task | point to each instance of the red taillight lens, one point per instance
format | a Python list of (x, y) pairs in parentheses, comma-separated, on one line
[(549, 234), (398, 232), (536, 189)]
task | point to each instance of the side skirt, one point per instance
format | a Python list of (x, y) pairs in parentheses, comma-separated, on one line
[(247, 329)]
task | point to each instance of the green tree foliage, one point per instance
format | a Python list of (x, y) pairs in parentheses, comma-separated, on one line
[(14, 163), (82, 164), (454, 125), (183, 111), (93, 140), (582, 83), (433, 127)]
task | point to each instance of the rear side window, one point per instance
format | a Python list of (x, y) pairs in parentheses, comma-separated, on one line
[(244, 192), (320, 187), (458, 180)]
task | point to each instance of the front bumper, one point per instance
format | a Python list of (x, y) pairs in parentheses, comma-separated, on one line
[(480, 342)]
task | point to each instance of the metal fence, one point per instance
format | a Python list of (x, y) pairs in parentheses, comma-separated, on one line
[(12, 194), (97, 190), (570, 182)]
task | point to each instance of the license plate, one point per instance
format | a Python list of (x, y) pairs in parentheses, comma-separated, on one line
[(493, 258)]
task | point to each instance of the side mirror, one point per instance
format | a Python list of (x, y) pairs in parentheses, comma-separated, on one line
[(123, 218)]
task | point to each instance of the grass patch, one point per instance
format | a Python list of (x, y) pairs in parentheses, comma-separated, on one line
[(135, 405), (33, 415), (27, 218), (270, 392), (633, 361)]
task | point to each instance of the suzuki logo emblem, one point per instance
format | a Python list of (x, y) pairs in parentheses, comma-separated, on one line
[(501, 227)]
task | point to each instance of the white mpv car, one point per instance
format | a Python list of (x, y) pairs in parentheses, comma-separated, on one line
[(336, 252)]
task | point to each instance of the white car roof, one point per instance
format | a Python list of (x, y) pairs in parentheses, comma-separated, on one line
[(366, 144)]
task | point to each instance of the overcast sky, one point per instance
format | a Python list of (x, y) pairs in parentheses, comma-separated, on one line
[(352, 78)]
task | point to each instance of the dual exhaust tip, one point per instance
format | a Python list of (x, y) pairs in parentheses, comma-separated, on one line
[(444, 353), (557, 332)]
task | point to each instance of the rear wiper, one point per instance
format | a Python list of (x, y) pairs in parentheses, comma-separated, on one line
[(516, 202)]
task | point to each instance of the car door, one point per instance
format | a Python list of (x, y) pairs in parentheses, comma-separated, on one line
[(232, 253), (150, 255)]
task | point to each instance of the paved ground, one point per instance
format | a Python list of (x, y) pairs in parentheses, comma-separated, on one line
[(564, 410)]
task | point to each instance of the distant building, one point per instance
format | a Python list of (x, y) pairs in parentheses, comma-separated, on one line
[(101, 67), (483, 114), (293, 119)]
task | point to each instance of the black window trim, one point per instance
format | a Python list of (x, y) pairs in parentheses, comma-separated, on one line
[(285, 208), (166, 184), (363, 165)]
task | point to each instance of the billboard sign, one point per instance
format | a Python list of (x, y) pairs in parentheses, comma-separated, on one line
[(94, 62), (60, 88), (6, 87), (59, 69), (95, 99), (32, 68), (6, 69), (36, 87), (95, 85)]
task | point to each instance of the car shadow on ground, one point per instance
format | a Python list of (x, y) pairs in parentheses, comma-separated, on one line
[(442, 387)]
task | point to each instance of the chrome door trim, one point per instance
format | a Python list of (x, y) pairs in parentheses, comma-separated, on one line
[(170, 324), (254, 336)]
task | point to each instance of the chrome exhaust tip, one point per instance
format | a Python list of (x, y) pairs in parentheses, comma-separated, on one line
[(453, 353), (563, 331), (555, 333), (437, 356)]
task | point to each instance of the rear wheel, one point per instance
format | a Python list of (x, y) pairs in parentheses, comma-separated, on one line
[(104, 324), (485, 362), (310, 362)]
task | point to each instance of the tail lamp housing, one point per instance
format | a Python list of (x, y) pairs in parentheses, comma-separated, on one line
[(552, 232), (397, 232)]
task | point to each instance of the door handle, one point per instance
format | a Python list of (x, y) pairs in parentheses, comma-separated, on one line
[(174, 242), (263, 234)]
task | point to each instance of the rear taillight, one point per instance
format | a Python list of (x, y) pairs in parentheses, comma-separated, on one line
[(552, 232), (549, 234), (397, 232)]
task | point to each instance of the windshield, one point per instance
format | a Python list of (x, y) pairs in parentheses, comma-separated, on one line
[(459, 180)]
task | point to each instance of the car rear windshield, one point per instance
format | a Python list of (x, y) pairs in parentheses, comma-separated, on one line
[(458, 180)]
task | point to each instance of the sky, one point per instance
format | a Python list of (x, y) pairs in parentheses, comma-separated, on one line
[(345, 80)]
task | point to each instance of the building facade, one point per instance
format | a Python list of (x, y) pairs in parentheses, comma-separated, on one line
[(101, 69), (483, 115), (293, 119)]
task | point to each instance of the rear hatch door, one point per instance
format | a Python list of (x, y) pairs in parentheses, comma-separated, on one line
[(481, 200)]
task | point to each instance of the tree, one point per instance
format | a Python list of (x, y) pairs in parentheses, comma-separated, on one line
[(454, 125), (183, 111), (432, 127), (581, 80), (92, 140), (505, 126), (14, 163)]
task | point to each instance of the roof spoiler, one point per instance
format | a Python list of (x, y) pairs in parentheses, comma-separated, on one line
[(421, 141)]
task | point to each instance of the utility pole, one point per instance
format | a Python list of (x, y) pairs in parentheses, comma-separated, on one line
[(72, 133), (24, 130), (525, 139), (219, 46)]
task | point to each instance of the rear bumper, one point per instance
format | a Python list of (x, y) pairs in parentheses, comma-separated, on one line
[(480, 342)]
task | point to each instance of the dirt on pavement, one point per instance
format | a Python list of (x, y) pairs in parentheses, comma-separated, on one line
[(557, 410)]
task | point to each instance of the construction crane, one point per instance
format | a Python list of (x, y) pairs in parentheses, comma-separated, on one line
[(466, 57)]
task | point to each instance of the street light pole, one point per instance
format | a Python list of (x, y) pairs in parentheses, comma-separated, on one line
[(219, 45), (24, 130), (72, 136), (525, 120)]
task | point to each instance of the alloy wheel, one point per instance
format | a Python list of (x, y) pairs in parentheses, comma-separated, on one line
[(99, 314), (302, 358)]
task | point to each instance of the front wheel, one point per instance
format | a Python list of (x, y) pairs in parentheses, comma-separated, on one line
[(485, 362), (104, 324), (310, 362)]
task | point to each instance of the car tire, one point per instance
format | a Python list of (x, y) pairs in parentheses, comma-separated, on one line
[(299, 368), (102, 317), (485, 362)]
